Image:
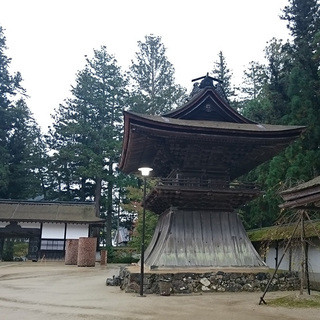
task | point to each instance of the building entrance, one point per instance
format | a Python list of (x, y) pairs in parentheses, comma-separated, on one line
[(14, 231)]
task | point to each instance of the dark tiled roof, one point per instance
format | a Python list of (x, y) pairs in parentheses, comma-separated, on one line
[(217, 125), (305, 195), (162, 141), (31, 211), (207, 104), (306, 185)]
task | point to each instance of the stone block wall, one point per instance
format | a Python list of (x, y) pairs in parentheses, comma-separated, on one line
[(209, 282)]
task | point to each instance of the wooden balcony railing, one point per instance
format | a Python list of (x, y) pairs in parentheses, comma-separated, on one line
[(199, 183)]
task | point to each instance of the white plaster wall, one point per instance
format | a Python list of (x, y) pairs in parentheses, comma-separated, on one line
[(52, 231), (30, 224), (285, 261), (75, 231), (270, 257), (313, 255), (296, 258)]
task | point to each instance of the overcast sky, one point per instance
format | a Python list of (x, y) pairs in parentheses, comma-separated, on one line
[(48, 40)]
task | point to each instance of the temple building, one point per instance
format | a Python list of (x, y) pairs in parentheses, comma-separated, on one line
[(46, 225), (198, 152)]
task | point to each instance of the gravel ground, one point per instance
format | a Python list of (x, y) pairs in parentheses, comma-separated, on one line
[(53, 291)]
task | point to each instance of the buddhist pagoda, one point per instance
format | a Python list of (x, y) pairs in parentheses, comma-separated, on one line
[(198, 152)]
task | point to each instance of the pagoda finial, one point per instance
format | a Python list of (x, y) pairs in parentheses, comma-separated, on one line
[(207, 81)]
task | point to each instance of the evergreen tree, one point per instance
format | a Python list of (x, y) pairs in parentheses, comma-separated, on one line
[(27, 155), (292, 93), (279, 60), (223, 73), (303, 88), (152, 77), (255, 104), (21, 145), (254, 80), (87, 133)]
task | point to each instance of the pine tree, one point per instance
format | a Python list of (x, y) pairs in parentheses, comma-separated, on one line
[(254, 80), (87, 133), (303, 85), (255, 104), (279, 60), (21, 147), (152, 77), (223, 73), (27, 155), (292, 92)]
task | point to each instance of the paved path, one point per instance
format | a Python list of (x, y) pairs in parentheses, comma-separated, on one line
[(53, 291)]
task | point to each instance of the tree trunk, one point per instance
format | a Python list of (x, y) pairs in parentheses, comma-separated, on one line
[(109, 208), (83, 190), (97, 196)]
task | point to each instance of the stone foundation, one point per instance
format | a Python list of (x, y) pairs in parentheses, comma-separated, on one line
[(213, 281)]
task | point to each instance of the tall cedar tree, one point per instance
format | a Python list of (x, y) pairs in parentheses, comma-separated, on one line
[(87, 133), (254, 104), (223, 73), (292, 97), (152, 76), (21, 145)]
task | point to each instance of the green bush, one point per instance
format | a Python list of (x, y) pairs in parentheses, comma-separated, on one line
[(122, 255), (7, 253)]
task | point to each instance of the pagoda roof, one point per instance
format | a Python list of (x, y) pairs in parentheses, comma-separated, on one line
[(206, 134), (223, 199), (205, 126), (165, 143), (208, 105)]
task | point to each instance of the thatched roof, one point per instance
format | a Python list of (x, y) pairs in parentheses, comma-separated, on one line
[(281, 232), (31, 211)]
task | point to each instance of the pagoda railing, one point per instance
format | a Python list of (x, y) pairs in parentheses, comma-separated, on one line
[(200, 183)]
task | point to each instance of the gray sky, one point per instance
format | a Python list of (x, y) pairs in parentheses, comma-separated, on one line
[(48, 40)]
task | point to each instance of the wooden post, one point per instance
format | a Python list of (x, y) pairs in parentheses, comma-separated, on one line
[(307, 267), (103, 257), (303, 254), (290, 259), (277, 267)]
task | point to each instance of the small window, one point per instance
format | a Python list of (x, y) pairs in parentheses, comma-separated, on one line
[(52, 245)]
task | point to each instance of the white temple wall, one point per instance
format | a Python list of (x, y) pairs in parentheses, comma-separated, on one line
[(270, 257), (35, 225), (56, 230), (53, 231), (313, 256), (75, 231), (286, 259)]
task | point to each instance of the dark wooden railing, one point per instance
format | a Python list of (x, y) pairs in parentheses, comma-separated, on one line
[(199, 183)]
